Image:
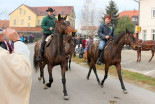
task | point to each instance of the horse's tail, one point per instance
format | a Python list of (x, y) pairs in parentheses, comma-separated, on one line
[(35, 63)]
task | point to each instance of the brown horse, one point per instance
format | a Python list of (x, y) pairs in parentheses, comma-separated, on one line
[(141, 45), (54, 54), (112, 56)]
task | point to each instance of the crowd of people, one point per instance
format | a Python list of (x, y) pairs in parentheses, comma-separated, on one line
[(29, 38), (82, 44)]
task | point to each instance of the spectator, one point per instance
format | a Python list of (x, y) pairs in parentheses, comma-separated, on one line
[(2, 43), (9, 44), (90, 40), (21, 38), (81, 51), (15, 74), (84, 43), (30, 38)]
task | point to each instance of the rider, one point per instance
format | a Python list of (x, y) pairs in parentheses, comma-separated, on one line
[(105, 31), (48, 25)]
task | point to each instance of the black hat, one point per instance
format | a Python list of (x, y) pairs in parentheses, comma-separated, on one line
[(50, 9)]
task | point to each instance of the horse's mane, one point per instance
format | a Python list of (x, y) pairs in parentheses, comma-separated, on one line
[(116, 40)]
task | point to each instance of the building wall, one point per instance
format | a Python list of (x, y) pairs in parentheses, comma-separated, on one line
[(147, 22), (22, 14)]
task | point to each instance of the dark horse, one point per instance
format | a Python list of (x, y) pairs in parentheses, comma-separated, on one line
[(112, 56), (69, 51), (141, 45), (54, 54)]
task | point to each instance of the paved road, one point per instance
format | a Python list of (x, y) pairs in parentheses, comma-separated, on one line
[(82, 91), (129, 58)]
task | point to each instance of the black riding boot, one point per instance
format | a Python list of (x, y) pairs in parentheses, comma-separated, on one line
[(99, 57), (41, 51)]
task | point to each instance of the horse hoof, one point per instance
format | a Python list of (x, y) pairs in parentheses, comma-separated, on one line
[(66, 98), (45, 87), (39, 78), (125, 91), (87, 78), (101, 85)]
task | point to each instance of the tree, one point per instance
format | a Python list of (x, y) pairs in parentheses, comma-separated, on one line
[(88, 17), (112, 10), (123, 24)]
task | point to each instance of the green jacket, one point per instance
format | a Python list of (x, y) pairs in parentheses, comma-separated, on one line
[(48, 22)]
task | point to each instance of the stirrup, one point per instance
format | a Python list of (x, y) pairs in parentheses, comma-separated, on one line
[(98, 61)]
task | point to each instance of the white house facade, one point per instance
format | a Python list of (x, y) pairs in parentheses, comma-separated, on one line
[(147, 19)]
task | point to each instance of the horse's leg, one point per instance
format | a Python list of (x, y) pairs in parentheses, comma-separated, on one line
[(140, 55), (90, 68), (67, 63), (106, 74), (50, 77), (70, 57), (94, 68), (118, 67), (137, 56), (152, 51), (63, 70), (42, 73)]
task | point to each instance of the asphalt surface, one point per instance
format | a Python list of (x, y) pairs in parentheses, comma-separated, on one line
[(82, 91), (129, 58)]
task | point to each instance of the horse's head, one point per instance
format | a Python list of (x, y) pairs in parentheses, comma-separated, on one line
[(63, 26), (129, 38), (136, 44)]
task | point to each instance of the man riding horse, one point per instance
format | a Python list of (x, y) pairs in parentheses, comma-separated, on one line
[(48, 24), (105, 31)]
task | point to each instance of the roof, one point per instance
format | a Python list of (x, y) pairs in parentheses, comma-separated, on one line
[(89, 27), (27, 29), (4, 23), (129, 13), (41, 11)]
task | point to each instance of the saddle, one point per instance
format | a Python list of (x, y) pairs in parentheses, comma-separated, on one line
[(48, 40)]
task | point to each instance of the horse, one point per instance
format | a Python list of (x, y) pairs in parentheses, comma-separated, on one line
[(54, 54), (70, 49), (112, 56), (141, 45)]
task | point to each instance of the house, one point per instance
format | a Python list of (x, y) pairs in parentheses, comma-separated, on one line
[(89, 30), (4, 23), (132, 14), (147, 19), (28, 19)]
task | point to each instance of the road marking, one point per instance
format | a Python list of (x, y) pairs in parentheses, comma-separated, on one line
[(149, 72)]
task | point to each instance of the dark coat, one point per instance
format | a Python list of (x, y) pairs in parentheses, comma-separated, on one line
[(3, 45), (104, 30), (48, 22)]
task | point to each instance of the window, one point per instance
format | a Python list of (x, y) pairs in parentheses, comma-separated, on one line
[(29, 17), (20, 11), (29, 25), (22, 22), (153, 13), (38, 22), (153, 34), (14, 22), (144, 34), (24, 12), (134, 19)]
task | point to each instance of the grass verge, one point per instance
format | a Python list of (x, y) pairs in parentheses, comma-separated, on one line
[(129, 76)]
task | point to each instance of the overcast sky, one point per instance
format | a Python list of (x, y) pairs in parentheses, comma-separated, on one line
[(7, 6)]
